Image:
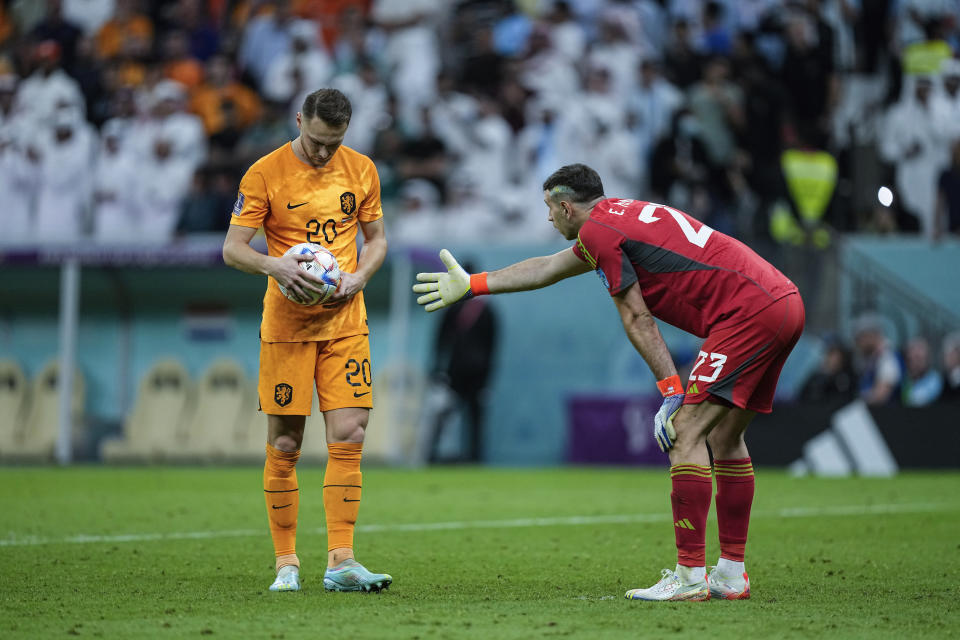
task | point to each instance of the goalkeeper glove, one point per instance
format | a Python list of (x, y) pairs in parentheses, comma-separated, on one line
[(443, 289), (673, 395)]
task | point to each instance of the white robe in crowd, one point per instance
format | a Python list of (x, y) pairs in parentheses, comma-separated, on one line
[(39, 95), (910, 125), (621, 59), (185, 132), (19, 179), (264, 40), (413, 52), (549, 75), (369, 110), (452, 116), (570, 39), (314, 67), (543, 147), (66, 175), (614, 156), (488, 164), (117, 216), (89, 15), (654, 106), (161, 189)]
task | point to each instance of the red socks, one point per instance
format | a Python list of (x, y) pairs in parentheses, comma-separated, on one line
[(692, 486), (735, 486)]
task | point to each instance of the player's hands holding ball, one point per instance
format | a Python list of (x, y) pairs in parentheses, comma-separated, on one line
[(350, 285), (308, 274), (443, 289), (302, 286)]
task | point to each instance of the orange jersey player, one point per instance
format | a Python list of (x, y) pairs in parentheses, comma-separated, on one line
[(313, 190)]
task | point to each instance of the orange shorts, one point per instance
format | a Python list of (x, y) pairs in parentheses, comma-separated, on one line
[(339, 368)]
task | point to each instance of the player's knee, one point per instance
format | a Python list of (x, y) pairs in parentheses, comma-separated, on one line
[(689, 423), (723, 440), (348, 429), (286, 442), (691, 429), (352, 432)]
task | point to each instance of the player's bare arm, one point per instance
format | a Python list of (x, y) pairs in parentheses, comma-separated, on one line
[(643, 332), (238, 253), (444, 289), (536, 273), (371, 258)]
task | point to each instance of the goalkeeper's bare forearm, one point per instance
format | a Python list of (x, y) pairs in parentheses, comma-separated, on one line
[(536, 273), (443, 288)]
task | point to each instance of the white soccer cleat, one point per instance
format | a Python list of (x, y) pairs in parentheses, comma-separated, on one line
[(728, 587), (350, 575), (670, 588), (288, 579)]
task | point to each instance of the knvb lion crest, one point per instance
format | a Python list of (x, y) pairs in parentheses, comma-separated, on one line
[(348, 203), (283, 394)]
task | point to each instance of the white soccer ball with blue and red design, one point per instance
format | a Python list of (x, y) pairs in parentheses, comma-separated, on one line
[(324, 265)]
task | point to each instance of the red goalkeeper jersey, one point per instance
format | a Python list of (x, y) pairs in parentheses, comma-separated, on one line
[(691, 276)]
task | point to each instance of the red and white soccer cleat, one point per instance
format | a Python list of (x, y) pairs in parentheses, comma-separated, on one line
[(727, 587)]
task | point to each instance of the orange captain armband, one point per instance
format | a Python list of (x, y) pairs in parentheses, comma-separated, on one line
[(670, 386), (478, 284)]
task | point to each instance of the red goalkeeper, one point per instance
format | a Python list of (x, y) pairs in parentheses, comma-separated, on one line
[(658, 262)]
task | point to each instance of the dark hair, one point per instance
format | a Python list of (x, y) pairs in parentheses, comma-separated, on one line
[(579, 180), (329, 105)]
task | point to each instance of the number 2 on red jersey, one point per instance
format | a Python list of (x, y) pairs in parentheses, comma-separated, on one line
[(698, 237)]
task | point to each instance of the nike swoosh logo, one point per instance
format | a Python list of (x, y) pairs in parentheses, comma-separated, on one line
[(349, 500), (282, 506), (360, 395), (294, 206)]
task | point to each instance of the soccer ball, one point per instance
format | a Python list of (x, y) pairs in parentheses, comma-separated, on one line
[(324, 265)]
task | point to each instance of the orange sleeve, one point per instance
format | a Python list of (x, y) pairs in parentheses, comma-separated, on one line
[(141, 27), (108, 40), (370, 208), (205, 104), (189, 73), (253, 203), (248, 105)]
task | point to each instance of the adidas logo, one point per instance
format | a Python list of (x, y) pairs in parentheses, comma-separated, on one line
[(684, 524), (693, 388), (853, 444)]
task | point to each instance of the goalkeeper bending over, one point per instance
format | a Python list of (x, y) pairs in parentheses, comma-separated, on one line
[(658, 262)]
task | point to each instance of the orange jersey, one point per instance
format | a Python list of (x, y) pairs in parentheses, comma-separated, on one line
[(295, 202)]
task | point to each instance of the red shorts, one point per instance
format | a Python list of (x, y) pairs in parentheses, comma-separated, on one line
[(741, 364)]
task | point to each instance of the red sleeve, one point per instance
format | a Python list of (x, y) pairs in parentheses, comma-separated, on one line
[(578, 250), (602, 248)]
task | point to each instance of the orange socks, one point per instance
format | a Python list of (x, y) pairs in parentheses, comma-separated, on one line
[(341, 498), (341, 493), (283, 501)]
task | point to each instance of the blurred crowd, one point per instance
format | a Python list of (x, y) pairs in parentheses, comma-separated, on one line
[(123, 119), (918, 375)]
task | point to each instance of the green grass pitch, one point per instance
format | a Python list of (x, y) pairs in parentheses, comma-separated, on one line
[(475, 553)]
